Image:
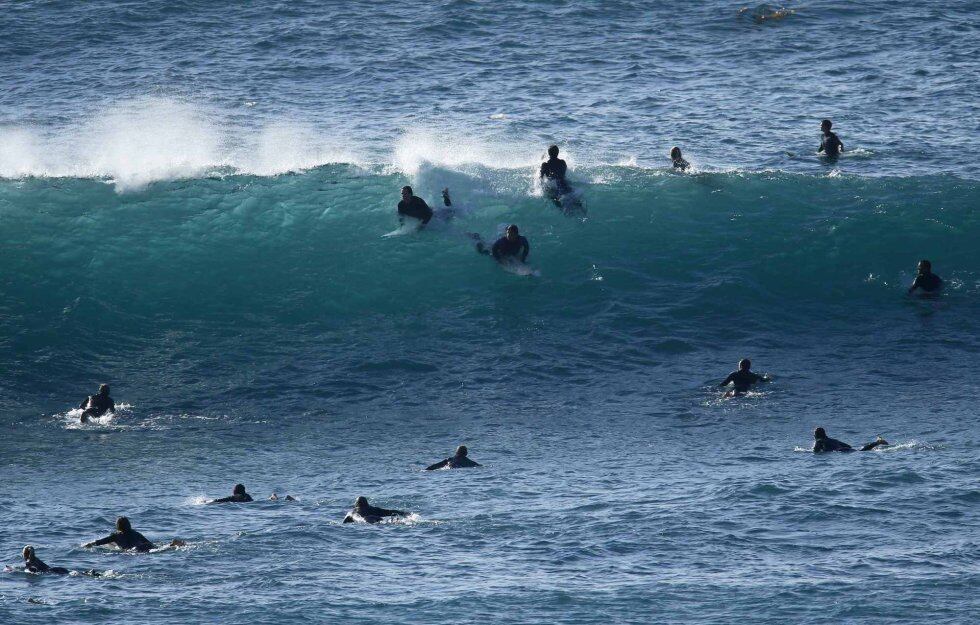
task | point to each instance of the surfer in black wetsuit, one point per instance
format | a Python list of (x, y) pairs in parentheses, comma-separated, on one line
[(831, 145), (125, 537), (929, 282), (363, 511), (743, 379), (33, 564), (677, 160), (97, 405), (509, 247), (238, 495), (823, 443), (553, 174), (459, 460), (413, 206)]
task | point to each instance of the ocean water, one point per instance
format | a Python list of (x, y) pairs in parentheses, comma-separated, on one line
[(192, 204)]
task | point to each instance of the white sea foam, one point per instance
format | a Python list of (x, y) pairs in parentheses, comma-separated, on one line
[(139, 141)]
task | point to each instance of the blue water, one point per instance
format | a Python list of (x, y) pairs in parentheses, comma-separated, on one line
[(192, 204)]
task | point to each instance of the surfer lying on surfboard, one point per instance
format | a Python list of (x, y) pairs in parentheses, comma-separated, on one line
[(510, 247), (415, 207)]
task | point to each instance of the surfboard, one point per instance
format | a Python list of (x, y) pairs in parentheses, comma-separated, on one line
[(518, 268), (402, 230)]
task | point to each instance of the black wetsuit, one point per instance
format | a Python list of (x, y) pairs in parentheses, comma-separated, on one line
[(415, 207), (553, 170), (370, 514), (35, 565), (831, 145), (681, 164), (825, 444), (743, 380), (928, 282), (453, 463), (97, 405), (245, 498), (130, 539), (504, 248)]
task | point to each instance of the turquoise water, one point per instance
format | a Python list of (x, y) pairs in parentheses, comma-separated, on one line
[(192, 206)]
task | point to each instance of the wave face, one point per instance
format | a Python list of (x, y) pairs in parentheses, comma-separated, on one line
[(662, 262)]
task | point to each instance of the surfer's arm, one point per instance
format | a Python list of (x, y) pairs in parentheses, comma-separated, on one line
[(84, 403), (915, 284), (437, 465), (102, 541), (384, 512), (728, 380), (495, 250), (349, 518)]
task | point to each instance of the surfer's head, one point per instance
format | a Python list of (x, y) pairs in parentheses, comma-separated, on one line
[(675, 153), (406, 192), (28, 552), (925, 266), (819, 433), (553, 151), (360, 503), (103, 389), (826, 125), (744, 364), (461, 451), (238, 490), (122, 524), (512, 232)]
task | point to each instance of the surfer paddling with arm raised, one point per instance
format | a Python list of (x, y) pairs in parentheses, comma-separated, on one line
[(126, 538)]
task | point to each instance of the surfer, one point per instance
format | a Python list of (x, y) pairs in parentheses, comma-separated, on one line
[(553, 174), (363, 511), (126, 538), (508, 247), (413, 206), (929, 282), (276, 497), (238, 495), (831, 145), (459, 460), (677, 160), (823, 443), (743, 379), (33, 564), (94, 406)]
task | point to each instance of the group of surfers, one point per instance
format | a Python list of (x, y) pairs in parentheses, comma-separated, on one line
[(125, 538)]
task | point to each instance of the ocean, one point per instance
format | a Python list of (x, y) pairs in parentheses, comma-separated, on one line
[(193, 199)]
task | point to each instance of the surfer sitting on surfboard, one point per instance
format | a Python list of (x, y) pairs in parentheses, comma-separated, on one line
[(743, 379)]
